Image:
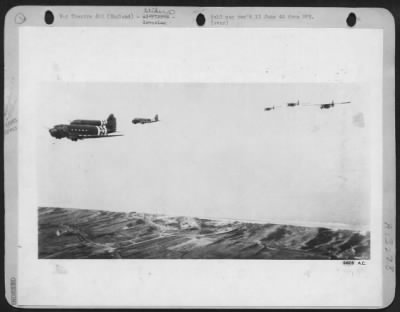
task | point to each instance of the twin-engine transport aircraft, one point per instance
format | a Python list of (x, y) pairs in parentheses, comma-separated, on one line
[(145, 120), (329, 105), (86, 129), (292, 104)]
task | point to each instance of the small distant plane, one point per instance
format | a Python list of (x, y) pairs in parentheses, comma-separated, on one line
[(292, 104), (330, 105), (86, 129), (145, 120)]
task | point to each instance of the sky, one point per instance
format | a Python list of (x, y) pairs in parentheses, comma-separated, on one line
[(215, 152)]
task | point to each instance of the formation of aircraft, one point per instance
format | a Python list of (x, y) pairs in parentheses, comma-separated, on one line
[(89, 129), (321, 105), (81, 129), (86, 129), (145, 120)]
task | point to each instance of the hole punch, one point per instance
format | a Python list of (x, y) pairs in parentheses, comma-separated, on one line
[(200, 20), (351, 19), (49, 17)]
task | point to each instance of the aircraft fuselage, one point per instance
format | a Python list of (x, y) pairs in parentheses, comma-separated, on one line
[(142, 120), (83, 129), (75, 132), (145, 120)]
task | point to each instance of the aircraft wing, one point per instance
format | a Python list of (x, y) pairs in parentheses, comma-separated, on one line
[(319, 104), (273, 107), (100, 136)]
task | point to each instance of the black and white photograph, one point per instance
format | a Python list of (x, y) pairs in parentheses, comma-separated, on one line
[(199, 157), (203, 171)]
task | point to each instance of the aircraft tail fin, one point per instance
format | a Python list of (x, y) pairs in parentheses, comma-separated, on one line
[(156, 118), (111, 123)]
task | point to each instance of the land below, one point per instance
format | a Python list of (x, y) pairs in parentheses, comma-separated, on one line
[(66, 233)]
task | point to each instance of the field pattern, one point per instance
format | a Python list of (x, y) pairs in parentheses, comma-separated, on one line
[(90, 234)]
